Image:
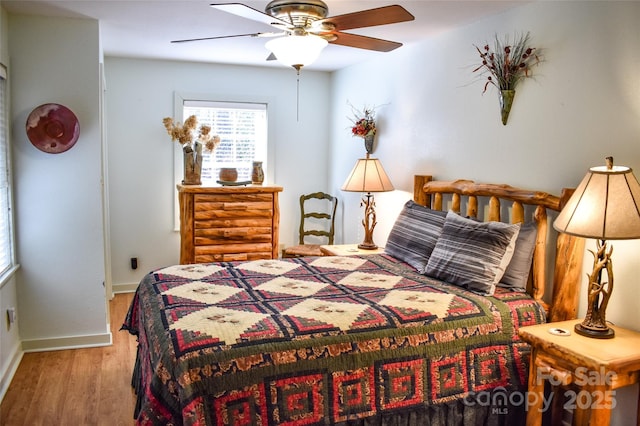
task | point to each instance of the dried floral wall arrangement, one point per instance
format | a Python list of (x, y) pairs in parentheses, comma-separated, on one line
[(363, 125), (505, 66)]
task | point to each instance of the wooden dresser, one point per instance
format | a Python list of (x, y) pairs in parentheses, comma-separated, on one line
[(226, 223)]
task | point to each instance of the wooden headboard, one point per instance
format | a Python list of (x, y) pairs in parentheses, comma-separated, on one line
[(515, 202)]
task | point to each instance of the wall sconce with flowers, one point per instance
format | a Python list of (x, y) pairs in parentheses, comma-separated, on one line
[(506, 65), (364, 126)]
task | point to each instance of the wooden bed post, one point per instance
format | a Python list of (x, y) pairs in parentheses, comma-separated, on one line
[(567, 272), (419, 196), (539, 263)]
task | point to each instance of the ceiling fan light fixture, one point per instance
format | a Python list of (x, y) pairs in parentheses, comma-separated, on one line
[(297, 12), (297, 50)]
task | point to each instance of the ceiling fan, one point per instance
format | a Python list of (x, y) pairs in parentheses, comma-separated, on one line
[(304, 29)]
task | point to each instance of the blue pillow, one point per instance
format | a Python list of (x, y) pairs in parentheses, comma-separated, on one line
[(414, 234), (517, 274)]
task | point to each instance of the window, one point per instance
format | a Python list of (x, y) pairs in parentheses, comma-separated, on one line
[(6, 222), (242, 128), (243, 125)]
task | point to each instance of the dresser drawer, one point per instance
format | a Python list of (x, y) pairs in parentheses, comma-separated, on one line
[(233, 207), (201, 225), (232, 211), (232, 198), (211, 236), (232, 251), (231, 257)]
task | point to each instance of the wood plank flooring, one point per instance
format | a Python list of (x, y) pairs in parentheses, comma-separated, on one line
[(76, 387)]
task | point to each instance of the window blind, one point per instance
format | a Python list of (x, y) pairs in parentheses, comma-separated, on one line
[(242, 128), (6, 232)]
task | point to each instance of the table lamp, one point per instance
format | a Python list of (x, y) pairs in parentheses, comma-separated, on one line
[(368, 176), (605, 206)]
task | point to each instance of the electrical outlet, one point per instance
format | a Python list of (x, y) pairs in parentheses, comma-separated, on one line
[(12, 316), (134, 263)]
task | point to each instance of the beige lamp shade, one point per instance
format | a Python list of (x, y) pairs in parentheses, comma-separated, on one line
[(368, 175), (606, 205)]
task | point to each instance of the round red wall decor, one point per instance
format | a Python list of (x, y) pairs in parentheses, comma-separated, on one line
[(53, 128)]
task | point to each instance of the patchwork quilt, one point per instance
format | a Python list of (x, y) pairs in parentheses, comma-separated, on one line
[(315, 341)]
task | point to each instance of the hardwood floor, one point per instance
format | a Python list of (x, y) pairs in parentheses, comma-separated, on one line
[(76, 387)]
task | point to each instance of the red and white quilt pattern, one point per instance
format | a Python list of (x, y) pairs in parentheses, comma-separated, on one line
[(316, 341)]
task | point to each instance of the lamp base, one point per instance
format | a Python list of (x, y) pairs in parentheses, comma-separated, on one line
[(595, 322), (596, 333), (367, 246), (369, 222)]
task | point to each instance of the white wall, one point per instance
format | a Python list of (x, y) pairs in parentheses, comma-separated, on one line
[(583, 105), (140, 93), (58, 196)]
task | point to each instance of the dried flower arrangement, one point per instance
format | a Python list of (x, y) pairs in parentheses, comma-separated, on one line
[(364, 123), (508, 63), (191, 149), (184, 134)]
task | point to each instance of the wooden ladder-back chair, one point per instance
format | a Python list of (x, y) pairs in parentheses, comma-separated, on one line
[(314, 221)]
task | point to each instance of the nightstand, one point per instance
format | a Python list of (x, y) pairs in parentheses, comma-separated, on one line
[(347, 250), (588, 370)]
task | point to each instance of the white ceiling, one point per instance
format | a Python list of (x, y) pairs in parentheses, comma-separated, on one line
[(145, 28)]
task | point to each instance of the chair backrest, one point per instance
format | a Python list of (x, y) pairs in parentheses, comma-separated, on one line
[(317, 215)]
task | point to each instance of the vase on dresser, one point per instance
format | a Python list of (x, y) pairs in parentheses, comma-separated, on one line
[(228, 174), (192, 158), (257, 174)]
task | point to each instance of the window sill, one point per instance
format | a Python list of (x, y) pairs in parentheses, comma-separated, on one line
[(8, 275)]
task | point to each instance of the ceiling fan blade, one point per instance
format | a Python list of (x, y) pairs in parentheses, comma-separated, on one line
[(364, 42), (368, 18), (232, 36), (247, 12)]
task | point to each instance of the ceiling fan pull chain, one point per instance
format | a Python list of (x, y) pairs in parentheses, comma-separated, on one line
[(297, 67), (298, 97)]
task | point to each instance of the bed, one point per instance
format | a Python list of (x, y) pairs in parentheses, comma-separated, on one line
[(378, 339)]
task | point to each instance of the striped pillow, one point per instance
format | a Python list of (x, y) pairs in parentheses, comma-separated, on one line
[(414, 234), (517, 273), (471, 254)]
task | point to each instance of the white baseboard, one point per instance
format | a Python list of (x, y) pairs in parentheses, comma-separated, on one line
[(72, 342), (10, 371), (124, 288)]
